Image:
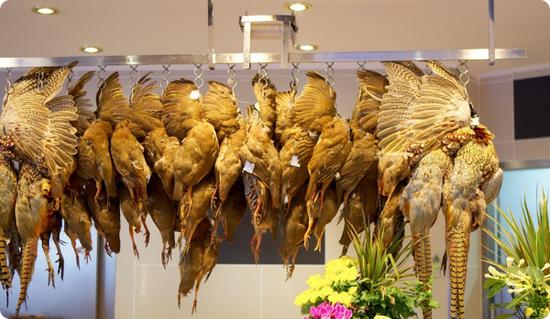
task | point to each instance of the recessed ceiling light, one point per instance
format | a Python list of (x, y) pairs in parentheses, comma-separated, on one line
[(47, 11), (306, 47), (297, 6), (91, 49)]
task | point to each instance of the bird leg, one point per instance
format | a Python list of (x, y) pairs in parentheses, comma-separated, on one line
[(255, 244), (166, 254), (197, 287), (131, 231), (60, 260), (50, 269), (87, 256), (319, 241), (108, 249), (98, 186), (146, 231), (76, 252)]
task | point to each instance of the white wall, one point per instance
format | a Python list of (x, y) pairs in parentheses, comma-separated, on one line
[(497, 111)]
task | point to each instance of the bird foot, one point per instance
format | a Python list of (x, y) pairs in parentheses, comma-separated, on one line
[(60, 266), (108, 250), (87, 256)]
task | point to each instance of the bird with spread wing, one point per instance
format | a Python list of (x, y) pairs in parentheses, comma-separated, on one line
[(423, 120), (36, 125)]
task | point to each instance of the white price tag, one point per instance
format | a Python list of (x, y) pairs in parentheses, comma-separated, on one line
[(195, 95), (257, 106), (295, 161), (248, 167), (337, 176), (285, 200)]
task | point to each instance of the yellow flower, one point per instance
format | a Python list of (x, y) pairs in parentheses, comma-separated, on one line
[(302, 298), (352, 290), (341, 297), (317, 282), (528, 312), (325, 291)]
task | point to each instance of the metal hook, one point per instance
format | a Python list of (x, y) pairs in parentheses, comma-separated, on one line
[(361, 65), (41, 78), (264, 77), (101, 72), (464, 71), (295, 73), (165, 74), (70, 79), (134, 73), (329, 70), (8, 80), (231, 81), (199, 82)]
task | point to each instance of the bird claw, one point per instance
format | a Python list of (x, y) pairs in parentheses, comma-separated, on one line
[(61, 266)]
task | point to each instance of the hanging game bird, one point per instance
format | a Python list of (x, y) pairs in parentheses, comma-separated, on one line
[(474, 181), (36, 125), (8, 180)]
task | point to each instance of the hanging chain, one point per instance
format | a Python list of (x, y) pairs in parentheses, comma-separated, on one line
[(464, 71), (134, 73), (8, 80), (329, 70), (199, 82), (165, 73), (70, 79), (361, 65), (41, 78), (264, 77), (231, 78), (295, 73), (101, 73)]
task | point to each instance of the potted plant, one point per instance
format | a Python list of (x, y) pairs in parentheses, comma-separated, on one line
[(525, 242), (377, 284)]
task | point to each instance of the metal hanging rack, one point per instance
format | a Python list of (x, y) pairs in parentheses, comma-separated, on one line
[(246, 57)]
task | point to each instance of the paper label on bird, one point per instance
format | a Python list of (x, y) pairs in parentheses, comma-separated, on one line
[(337, 176), (285, 199), (474, 121), (195, 95), (295, 161), (248, 167), (257, 106)]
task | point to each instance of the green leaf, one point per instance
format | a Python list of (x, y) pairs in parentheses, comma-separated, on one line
[(504, 316)]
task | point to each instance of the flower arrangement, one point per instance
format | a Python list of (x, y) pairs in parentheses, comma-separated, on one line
[(375, 285), (526, 243)]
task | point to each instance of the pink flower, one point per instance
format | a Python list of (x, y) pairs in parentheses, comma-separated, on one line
[(328, 311)]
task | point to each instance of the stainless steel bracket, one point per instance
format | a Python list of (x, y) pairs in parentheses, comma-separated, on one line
[(281, 27)]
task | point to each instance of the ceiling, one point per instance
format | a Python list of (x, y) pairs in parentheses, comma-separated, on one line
[(174, 26)]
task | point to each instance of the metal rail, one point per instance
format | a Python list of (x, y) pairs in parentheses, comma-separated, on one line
[(271, 57)]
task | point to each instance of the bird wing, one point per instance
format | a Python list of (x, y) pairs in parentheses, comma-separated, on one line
[(143, 97), (284, 107), (371, 89), (83, 106), (220, 108), (180, 108), (111, 101), (315, 104), (395, 111), (420, 111)]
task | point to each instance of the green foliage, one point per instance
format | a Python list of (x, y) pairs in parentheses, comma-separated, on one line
[(527, 271)]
